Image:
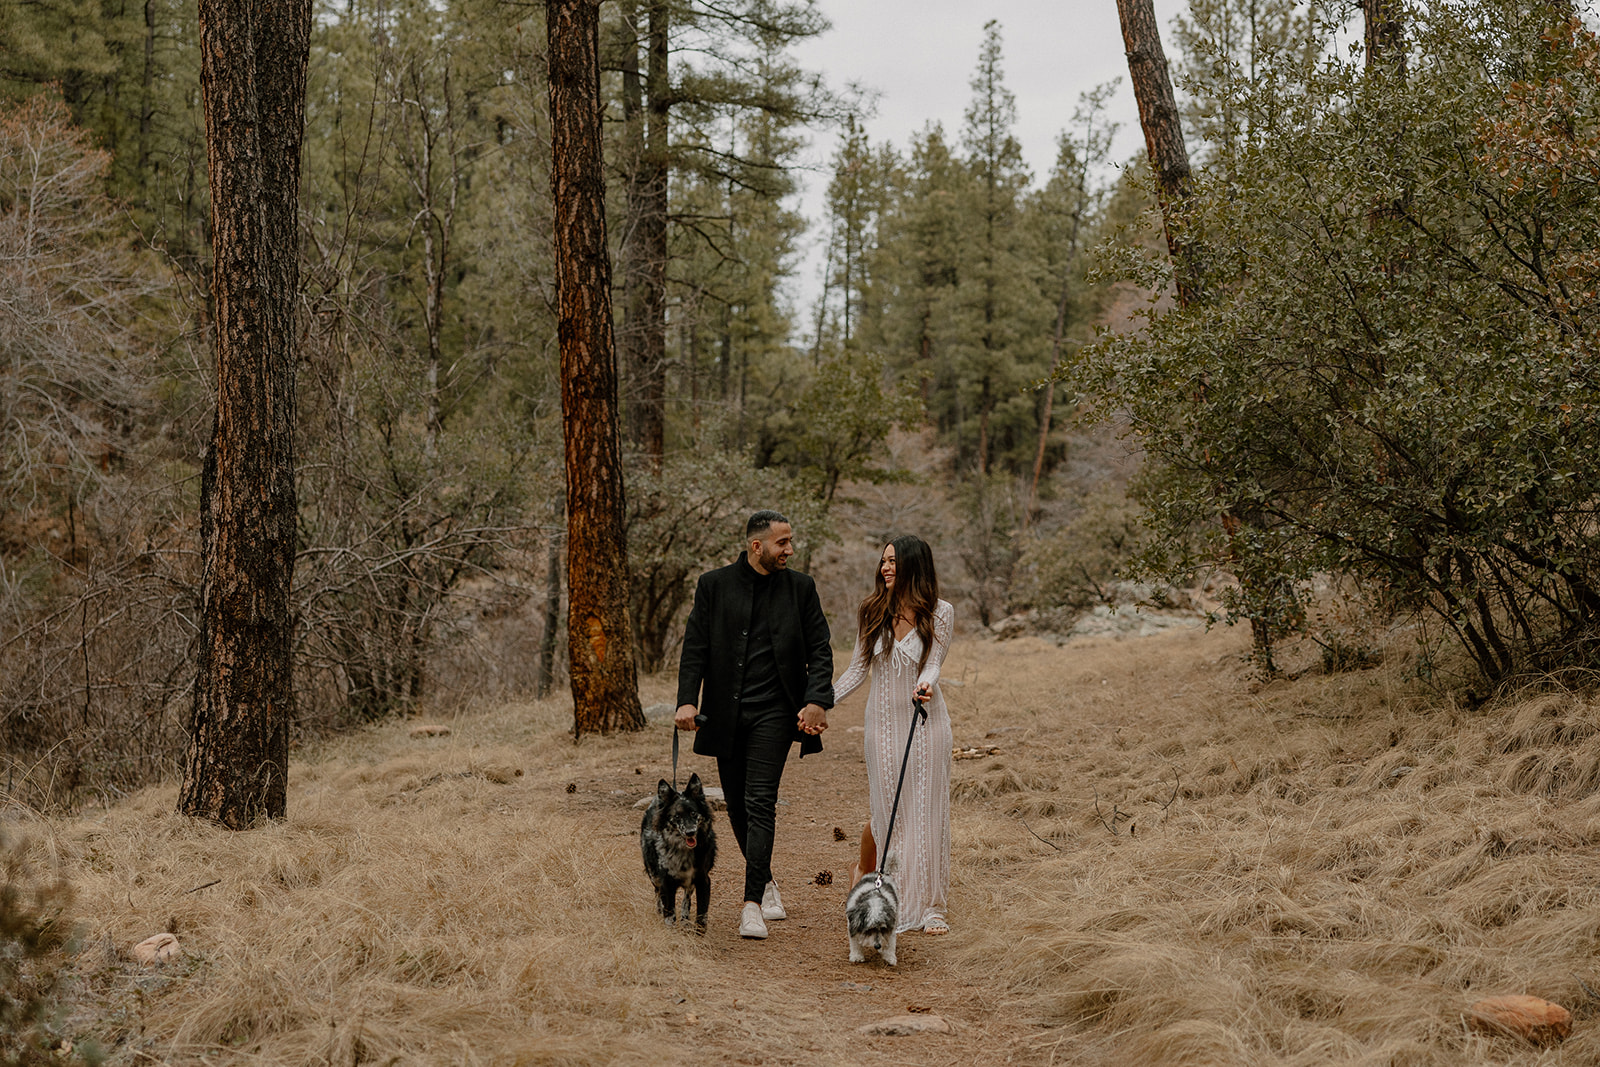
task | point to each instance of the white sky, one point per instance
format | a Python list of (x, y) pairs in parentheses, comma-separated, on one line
[(919, 55)]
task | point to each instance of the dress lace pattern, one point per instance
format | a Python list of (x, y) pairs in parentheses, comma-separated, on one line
[(921, 843)]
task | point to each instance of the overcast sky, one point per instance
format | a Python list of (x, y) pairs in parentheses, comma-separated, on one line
[(919, 55)]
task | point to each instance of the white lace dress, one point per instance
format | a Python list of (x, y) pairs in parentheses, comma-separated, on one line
[(921, 841)]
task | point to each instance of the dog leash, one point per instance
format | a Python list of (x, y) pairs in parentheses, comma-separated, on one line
[(919, 711), (700, 720)]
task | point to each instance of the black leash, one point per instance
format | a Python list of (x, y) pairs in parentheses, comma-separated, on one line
[(919, 712), (699, 721)]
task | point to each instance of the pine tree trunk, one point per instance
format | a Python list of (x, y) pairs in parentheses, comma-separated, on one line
[(1169, 158), (253, 78), (552, 620), (653, 237), (634, 260), (605, 693), (645, 109), (1385, 34), (1163, 132)]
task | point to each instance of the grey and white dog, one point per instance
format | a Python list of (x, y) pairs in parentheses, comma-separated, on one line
[(679, 848), (873, 911)]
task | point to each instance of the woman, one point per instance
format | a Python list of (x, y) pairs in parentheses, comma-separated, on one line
[(902, 635)]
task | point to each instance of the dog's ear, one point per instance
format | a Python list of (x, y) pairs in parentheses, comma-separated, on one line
[(664, 792), (694, 790)]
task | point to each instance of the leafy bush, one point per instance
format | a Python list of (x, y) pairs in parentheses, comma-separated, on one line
[(1075, 565), (1390, 374)]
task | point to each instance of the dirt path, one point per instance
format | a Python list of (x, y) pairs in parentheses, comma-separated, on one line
[(795, 997)]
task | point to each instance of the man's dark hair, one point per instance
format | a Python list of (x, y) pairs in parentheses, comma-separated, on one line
[(761, 522)]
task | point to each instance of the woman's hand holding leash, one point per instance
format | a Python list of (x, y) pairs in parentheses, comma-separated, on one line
[(923, 694)]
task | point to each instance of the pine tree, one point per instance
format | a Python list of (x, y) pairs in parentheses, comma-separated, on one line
[(1060, 217), (742, 77), (1004, 343), (605, 693), (920, 274), (856, 197), (254, 79)]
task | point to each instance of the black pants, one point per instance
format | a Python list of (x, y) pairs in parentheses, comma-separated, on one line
[(750, 778)]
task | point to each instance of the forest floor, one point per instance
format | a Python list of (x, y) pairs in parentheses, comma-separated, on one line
[(1164, 862)]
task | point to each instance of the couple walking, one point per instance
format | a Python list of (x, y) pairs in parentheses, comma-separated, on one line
[(757, 670)]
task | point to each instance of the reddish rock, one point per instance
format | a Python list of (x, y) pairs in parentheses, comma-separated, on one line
[(1518, 1015)]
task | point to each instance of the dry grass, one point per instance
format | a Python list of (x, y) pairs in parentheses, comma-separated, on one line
[(1323, 871)]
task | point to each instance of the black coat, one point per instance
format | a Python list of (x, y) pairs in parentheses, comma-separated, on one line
[(714, 650)]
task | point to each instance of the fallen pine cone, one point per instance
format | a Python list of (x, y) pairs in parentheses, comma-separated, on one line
[(838, 834), (823, 878), (572, 787)]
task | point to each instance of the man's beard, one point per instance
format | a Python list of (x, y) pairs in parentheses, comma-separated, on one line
[(771, 561)]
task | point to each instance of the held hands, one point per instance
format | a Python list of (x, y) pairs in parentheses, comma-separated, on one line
[(684, 719), (813, 719)]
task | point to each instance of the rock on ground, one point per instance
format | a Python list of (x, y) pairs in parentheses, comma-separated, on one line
[(903, 1025)]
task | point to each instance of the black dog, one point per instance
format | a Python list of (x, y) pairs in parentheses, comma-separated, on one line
[(680, 848)]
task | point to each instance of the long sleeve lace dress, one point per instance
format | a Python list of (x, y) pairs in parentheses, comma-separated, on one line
[(921, 842)]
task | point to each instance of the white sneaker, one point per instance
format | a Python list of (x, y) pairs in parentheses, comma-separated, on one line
[(772, 903), (750, 922)]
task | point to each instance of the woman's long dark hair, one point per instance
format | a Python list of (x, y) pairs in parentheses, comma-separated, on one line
[(915, 593)]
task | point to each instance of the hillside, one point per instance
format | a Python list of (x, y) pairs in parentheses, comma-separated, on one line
[(1162, 864)]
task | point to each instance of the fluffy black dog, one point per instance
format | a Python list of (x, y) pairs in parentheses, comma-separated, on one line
[(680, 848)]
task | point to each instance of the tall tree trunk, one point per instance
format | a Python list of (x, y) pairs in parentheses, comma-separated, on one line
[(1385, 25), (147, 107), (645, 110), (605, 692), (634, 259), (1049, 398), (552, 620), (1163, 132), (1169, 158), (653, 236), (253, 80)]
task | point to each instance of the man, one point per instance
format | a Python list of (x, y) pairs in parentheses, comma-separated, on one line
[(758, 667)]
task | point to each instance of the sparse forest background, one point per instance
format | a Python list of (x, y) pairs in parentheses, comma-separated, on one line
[(1388, 372)]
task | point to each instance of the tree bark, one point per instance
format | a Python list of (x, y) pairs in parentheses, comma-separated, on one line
[(1385, 35), (552, 620), (653, 226), (1163, 132), (605, 693), (1169, 158), (645, 241), (253, 81)]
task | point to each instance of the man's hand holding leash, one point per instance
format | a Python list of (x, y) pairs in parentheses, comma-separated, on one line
[(687, 717)]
